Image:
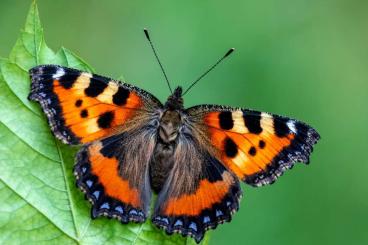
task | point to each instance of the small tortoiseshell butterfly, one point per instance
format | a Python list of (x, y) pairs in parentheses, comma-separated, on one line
[(132, 145)]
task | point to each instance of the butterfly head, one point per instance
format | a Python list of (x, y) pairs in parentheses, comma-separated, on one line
[(175, 100)]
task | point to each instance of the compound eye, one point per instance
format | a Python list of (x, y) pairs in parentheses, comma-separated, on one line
[(156, 123)]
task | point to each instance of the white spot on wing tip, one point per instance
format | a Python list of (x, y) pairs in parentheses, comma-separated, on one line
[(291, 125), (59, 73), (89, 75)]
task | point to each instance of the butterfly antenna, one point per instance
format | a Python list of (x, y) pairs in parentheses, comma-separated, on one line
[(158, 60), (210, 69)]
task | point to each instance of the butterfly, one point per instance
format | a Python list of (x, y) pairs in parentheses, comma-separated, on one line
[(193, 158)]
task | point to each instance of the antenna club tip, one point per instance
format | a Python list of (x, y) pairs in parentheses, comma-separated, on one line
[(146, 33), (229, 52)]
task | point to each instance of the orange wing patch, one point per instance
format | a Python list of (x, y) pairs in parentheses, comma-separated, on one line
[(111, 194), (91, 118), (205, 197), (213, 201), (106, 170), (247, 154)]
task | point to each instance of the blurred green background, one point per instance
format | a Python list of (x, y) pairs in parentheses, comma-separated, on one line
[(304, 59)]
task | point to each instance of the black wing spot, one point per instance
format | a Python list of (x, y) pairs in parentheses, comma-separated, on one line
[(84, 113), (231, 149), (252, 151), (226, 120), (95, 87), (261, 144), (281, 127), (105, 119), (121, 97), (213, 173), (78, 103), (68, 80), (111, 146), (253, 122)]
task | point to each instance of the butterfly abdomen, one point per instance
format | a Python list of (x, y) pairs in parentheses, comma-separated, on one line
[(163, 158), (161, 165)]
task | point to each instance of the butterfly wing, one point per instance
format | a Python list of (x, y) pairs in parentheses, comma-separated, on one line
[(115, 122), (199, 193), (113, 173), (83, 107), (258, 147), (217, 146)]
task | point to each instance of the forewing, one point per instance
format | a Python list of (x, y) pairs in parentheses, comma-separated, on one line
[(83, 107), (257, 146), (198, 194)]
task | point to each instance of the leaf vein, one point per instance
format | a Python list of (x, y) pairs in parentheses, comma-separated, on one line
[(30, 146), (67, 190), (30, 204)]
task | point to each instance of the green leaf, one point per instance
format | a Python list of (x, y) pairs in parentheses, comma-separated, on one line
[(23, 224), (29, 50), (39, 202), (66, 57)]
